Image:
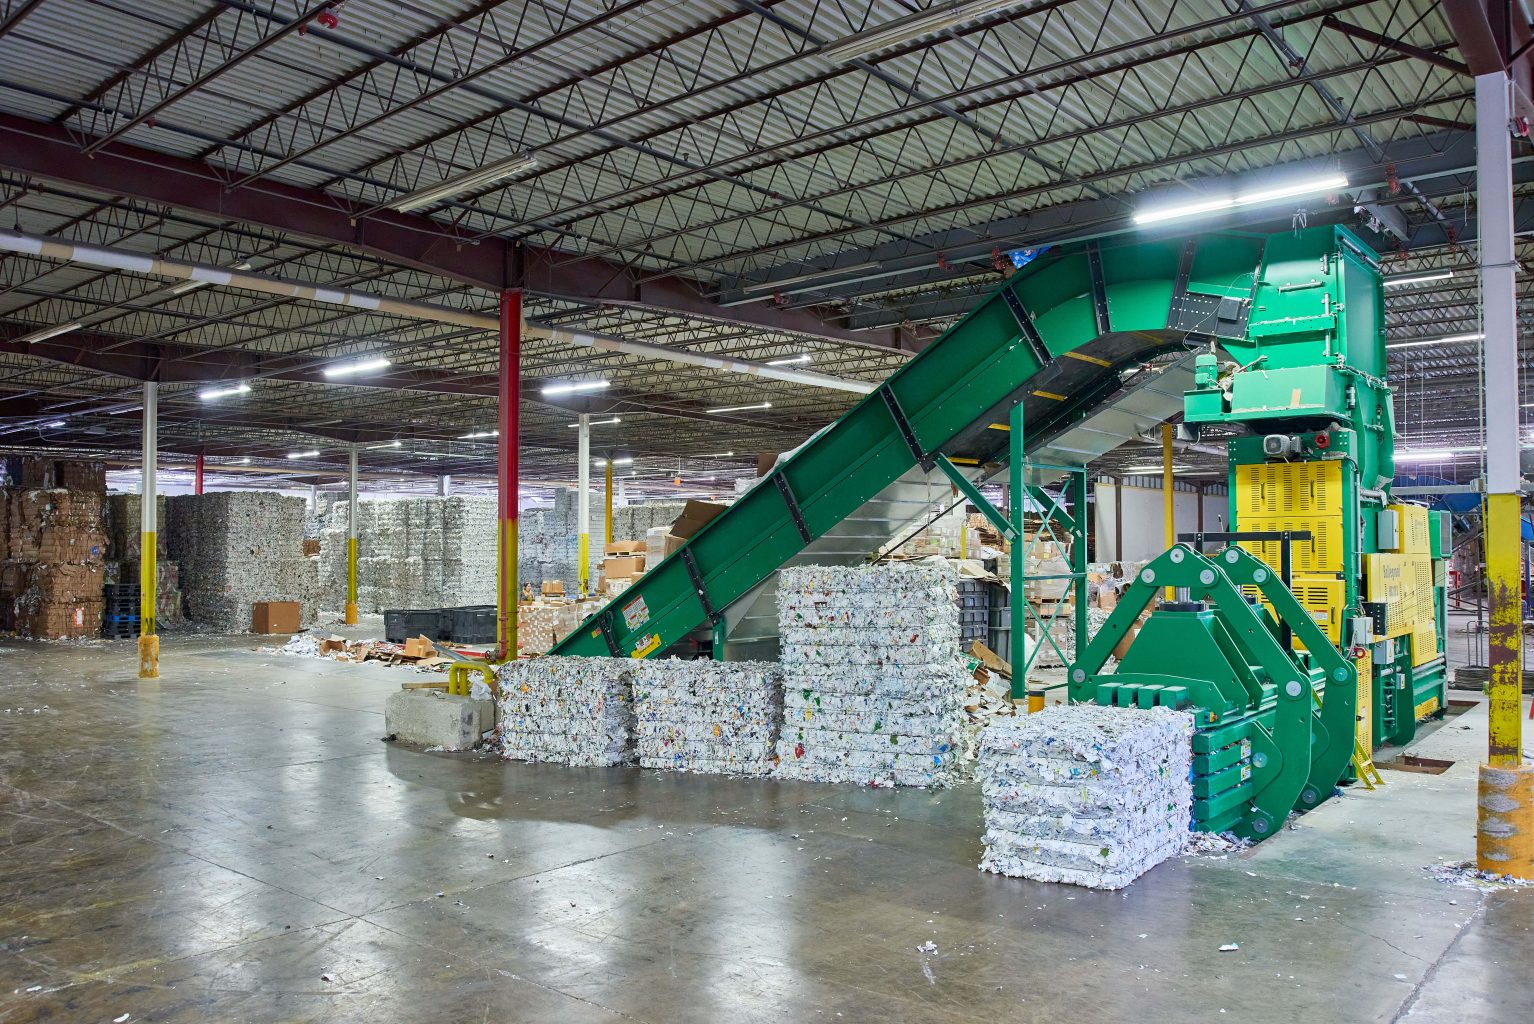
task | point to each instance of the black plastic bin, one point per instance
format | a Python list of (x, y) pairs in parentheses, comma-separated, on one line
[(472, 624), (400, 624)]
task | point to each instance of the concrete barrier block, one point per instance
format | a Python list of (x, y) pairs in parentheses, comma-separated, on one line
[(436, 719)]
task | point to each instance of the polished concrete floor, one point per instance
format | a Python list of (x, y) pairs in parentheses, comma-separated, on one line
[(235, 843)]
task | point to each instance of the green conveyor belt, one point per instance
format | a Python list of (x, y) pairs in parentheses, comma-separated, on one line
[(1054, 337)]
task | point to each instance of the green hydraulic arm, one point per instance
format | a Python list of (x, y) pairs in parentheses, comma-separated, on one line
[(1053, 339)]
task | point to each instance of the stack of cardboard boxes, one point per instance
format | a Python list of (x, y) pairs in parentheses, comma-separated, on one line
[(623, 564), (51, 581)]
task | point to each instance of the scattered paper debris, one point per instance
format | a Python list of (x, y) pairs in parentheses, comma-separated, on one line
[(1465, 875), (1230, 947)]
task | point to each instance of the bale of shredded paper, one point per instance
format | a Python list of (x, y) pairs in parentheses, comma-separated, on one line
[(575, 711), (874, 682), (708, 716), (1083, 794)]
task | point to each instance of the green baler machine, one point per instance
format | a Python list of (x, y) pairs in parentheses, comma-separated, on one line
[(1316, 636), (1274, 682)]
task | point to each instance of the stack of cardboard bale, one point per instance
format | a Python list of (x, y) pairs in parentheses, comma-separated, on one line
[(708, 716), (575, 711), (1089, 795), (237, 548), (874, 681), (51, 583)]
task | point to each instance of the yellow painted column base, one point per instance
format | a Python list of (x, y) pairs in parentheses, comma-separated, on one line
[(351, 613), (1504, 828), (149, 657)]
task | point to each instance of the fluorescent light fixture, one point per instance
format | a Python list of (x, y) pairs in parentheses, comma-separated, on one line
[(213, 394), (245, 461), (616, 462), (573, 386), (54, 423), (803, 357), (304, 455), (1430, 454), (1447, 339), (719, 455), (48, 332), (740, 408), (479, 434), (467, 182), (360, 366), (1391, 280), (1326, 183), (386, 444), (598, 423), (938, 18)]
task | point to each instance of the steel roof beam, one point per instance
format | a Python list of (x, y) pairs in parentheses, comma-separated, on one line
[(48, 151)]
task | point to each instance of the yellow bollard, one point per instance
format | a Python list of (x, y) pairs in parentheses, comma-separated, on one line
[(149, 657)]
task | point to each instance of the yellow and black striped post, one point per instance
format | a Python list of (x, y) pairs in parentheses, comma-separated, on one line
[(149, 529)]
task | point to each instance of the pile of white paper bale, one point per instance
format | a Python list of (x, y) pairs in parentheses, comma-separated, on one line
[(1090, 795), (874, 678), (575, 711), (708, 716), (413, 552), (236, 548), (548, 547)]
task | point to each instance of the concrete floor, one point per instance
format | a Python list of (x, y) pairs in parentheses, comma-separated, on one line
[(210, 846)]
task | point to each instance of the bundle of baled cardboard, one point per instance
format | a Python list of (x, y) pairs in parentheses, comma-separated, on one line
[(1094, 796), (708, 716), (874, 680), (51, 586), (576, 711)]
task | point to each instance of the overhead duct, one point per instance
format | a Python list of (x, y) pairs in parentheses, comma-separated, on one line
[(139, 263), (608, 343)]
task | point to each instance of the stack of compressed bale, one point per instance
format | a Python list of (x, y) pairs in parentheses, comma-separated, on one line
[(469, 554), (1090, 795), (874, 681), (236, 548), (708, 716), (51, 585), (575, 711)]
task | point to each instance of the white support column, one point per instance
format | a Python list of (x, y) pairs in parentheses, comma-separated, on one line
[(583, 503), (149, 528), (351, 537), (445, 485), (1494, 209), (1505, 803)]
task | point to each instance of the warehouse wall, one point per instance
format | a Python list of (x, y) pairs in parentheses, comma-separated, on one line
[(1143, 534)]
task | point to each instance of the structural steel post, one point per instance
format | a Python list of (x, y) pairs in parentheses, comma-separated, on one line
[(1017, 497), (351, 536), (1505, 817), (583, 505), (608, 497), (149, 528), (1168, 505), (445, 485), (509, 395), (197, 467)]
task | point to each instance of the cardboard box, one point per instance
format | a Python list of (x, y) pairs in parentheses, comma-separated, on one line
[(765, 463), (624, 565), (553, 588), (274, 617), (695, 515), (626, 547), (419, 647)]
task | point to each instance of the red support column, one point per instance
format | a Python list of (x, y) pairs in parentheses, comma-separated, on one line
[(197, 475), (510, 395)]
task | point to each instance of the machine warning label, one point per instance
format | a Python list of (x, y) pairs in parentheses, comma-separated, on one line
[(647, 645), (636, 613)]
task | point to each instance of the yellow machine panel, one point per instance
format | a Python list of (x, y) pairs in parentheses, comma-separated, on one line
[(1413, 526), (1424, 646), (1404, 583), (1324, 599), (1321, 554), (1363, 733), (1275, 490)]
